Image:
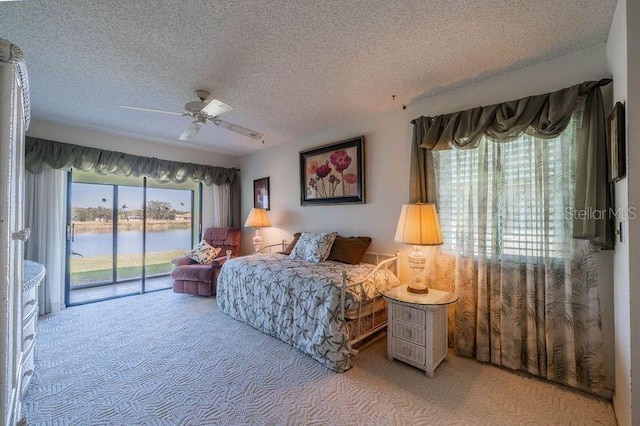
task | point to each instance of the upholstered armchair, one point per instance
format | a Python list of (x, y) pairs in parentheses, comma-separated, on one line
[(201, 280)]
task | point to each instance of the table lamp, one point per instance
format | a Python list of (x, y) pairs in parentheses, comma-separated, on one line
[(257, 219), (419, 226)]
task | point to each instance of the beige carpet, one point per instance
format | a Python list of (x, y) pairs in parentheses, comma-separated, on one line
[(165, 358)]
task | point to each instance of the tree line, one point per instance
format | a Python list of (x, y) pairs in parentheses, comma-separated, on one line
[(156, 210)]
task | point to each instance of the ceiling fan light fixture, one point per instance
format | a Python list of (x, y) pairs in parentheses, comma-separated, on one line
[(191, 131), (202, 110), (215, 108)]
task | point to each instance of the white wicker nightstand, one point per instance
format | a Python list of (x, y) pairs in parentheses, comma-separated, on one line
[(417, 327)]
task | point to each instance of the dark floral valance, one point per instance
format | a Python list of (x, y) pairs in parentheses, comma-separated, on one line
[(542, 116), (42, 153)]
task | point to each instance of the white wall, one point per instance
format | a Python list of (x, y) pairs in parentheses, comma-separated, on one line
[(387, 138), (633, 137), (85, 137), (617, 63), (623, 57), (386, 152)]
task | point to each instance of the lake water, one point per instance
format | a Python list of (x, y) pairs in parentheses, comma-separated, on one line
[(129, 242)]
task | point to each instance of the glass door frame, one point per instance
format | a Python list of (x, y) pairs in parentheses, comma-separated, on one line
[(114, 232), (144, 236)]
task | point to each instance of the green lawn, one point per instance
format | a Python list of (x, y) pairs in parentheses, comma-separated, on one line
[(86, 270)]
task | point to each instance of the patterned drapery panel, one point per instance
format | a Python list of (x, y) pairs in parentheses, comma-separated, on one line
[(528, 290)]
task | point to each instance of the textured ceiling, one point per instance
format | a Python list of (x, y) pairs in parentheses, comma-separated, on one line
[(289, 67)]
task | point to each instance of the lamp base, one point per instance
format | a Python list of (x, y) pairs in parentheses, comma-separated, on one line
[(418, 289), (257, 241), (417, 262)]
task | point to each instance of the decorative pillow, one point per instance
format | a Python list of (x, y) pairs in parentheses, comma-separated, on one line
[(349, 250), (313, 247), (292, 244), (203, 253)]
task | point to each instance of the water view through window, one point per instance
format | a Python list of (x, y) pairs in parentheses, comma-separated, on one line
[(116, 238)]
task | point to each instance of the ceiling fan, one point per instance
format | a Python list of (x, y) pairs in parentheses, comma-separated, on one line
[(201, 111)]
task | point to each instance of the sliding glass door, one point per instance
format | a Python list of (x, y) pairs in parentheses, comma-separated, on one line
[(129, 237), (169, 231), (91, 235), (123, 233)]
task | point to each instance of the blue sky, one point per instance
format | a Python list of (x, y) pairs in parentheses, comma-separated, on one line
[(91, 195)]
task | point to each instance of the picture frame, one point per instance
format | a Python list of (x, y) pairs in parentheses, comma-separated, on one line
[(333, 174), (617, 145), (261, 193)]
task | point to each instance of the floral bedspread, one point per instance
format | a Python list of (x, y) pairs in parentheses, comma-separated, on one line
[(298, 301)]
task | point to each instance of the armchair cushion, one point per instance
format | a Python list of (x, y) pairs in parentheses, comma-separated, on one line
[(219, 261), (195, 272), (182, 260), (199, 279)]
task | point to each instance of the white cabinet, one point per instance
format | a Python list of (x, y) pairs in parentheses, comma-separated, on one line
[(12, 234), (417, 327)]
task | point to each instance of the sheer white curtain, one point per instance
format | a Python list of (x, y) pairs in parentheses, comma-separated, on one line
[(528, 290), (45, 215), (221, 205)]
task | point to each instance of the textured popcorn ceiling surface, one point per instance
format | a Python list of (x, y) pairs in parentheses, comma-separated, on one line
[(289, 67)]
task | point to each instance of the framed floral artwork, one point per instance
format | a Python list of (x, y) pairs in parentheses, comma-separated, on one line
[(333, 174), (261, 193)]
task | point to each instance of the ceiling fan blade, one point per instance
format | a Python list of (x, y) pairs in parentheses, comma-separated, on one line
[(150, 110), (191, 131), (215, 108), (238, 129)]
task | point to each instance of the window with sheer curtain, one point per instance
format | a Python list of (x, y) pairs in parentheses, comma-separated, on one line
[(510, 198), (527, 289), (524, 200)]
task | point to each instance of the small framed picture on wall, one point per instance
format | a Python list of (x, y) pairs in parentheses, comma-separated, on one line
[(261, 193), (617, 146)]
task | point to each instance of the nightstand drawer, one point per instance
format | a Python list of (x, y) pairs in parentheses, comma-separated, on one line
[(29, 331), (407, 332), (29, 302), (408, 351), (409, 315), (28, 366)]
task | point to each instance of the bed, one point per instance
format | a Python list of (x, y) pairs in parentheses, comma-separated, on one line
[(322, 309)]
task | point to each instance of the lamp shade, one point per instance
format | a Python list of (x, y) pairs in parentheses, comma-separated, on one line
[(257, 218), (419, 225)]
